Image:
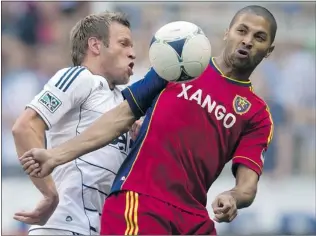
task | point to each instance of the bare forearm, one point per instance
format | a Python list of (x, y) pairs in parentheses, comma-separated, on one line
[(108, 127), (246, 187), (26, 139), (244, 198)]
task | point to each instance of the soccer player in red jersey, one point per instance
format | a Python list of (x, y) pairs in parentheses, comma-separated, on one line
[(190, 132)]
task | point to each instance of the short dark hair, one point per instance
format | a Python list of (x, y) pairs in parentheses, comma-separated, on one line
[(260, 11), (94, 25)]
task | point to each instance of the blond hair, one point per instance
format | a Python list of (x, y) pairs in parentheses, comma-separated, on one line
[(94, 25)]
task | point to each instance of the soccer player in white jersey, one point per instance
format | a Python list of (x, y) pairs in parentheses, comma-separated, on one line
[(103, 55)]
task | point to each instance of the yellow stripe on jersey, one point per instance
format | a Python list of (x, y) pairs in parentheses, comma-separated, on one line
[(136, 214), (270, 137), (131, 213), (135, 100), (237, 81), (247, 158), (127, 208)]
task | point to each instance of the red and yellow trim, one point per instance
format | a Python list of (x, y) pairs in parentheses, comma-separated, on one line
[(131, 213), (249, 159), (270, 137), (244, 83)]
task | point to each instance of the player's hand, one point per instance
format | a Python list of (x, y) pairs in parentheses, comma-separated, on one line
[(40, 215), (38, 162), (134, 131), (224, 207)]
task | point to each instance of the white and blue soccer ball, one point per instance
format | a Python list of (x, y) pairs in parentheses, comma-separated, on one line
[(179, 51)]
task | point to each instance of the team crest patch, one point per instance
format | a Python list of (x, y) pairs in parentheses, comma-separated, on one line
[(50, 101), (241, 105)]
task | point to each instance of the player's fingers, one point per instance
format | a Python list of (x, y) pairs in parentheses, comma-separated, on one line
[(215, 204), (225, 204), (216, 219), (26, 214), (223, 209), (27, 220), (138, 123), (217, 210), (138, 126), (132, 129), (232, 211), (133, 136), (31, 168), (36, 172), (221, 218), (226, 208), (25, 160), (28, 164), (29, 153), (134, 126), (226, 217)]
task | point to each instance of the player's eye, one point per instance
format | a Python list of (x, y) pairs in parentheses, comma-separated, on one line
[(260, 38), (242, 31), (124, 44)]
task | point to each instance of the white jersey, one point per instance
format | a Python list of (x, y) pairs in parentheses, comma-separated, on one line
[(69, 103)]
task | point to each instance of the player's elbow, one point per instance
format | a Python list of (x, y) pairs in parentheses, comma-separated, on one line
[(28, 122), (20, 127)]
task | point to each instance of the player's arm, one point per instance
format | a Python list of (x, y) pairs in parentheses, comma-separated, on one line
[(247, 167), (108, 127), (246, 187), (138, 98), (248, 158), (29, 132), (45, 110)]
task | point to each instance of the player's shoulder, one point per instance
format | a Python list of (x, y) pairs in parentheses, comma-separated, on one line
[(261, 103), (261, 106), (68, 77)]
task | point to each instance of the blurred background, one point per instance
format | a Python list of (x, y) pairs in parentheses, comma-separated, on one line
[(35, 45)]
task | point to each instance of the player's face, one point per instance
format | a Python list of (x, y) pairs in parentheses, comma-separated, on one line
[(118, 58), (248, 41)]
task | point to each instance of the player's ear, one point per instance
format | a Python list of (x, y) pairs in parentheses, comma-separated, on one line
[(226, 34), (270, 50), (94, 45)]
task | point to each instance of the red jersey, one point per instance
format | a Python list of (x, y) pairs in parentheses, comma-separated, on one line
[(190, 132)]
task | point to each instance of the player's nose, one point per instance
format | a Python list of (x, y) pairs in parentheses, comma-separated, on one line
[(132, 54), (247, 42)]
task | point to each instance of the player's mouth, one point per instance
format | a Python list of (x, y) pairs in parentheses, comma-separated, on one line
[(130, 68), (242, 53)]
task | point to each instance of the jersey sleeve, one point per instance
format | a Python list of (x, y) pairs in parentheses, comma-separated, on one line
[(141, 94), (254, 143), (67, 89)]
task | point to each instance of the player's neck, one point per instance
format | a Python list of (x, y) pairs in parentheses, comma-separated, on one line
[(231, 72), (94, 68)]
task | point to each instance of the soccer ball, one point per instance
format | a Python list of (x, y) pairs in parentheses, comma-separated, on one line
[(179, 51)]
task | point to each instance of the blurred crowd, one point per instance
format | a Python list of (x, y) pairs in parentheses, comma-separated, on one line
[(35, 45)]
